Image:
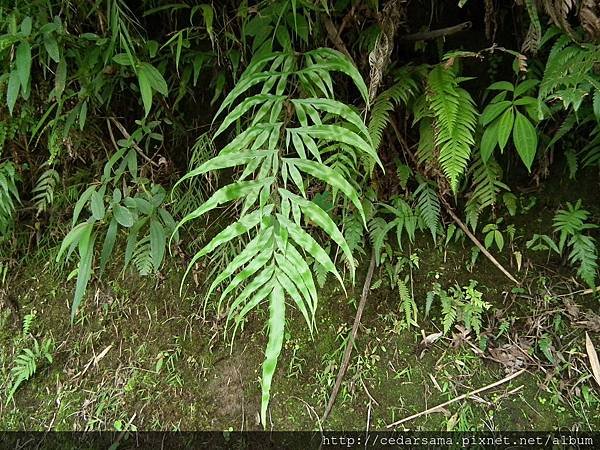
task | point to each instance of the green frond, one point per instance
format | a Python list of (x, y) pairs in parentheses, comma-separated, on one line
[(428, 206), (485, 188), (455, 119)]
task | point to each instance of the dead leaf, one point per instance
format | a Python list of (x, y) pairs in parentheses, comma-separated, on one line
[(426, 342), (102, 354), (591, 351)]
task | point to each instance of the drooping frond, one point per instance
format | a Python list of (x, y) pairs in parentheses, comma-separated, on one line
[(404, 88)]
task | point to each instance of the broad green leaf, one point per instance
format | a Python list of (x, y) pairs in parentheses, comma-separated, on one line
[(109, 244), (23, 62), (501, 86), (81, 202), (86, 255), (525, 86), (73, 237), (132, 240), (154, 78), (492, 111), (505, 125), (12, 91), (97, 204), (489, 141), (51, 47), (525, 139), (123, 216), (145, 90), (274, 345), (60, 79), (83, 115), (157, 243)]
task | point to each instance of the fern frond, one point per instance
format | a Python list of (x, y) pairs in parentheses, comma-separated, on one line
[(584, 254), (404, 88), (455, 121), (449, 312), (428, 205), (569, 222), (407, 303), (43, 191), (486, 186), (142, 257)]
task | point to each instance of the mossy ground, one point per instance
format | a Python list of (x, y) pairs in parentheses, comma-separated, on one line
[(140, 353), (168, 367)]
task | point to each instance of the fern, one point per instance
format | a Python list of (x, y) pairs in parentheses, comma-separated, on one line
[(405, 221), (43, 191), (455, 118), (485, 188), (590, 154), (407, 303), (28, 322), (570, 224), (473, 307), (142, 257), (26, 364), (569, 75), (584, 254), (279, 152), (404, 88), (428, 206), (449, 313), (354, 231), (8, 196), (534, 34)]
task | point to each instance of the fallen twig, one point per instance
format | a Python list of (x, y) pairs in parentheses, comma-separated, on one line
[(471, 236), (460, 397), (350, 344)]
